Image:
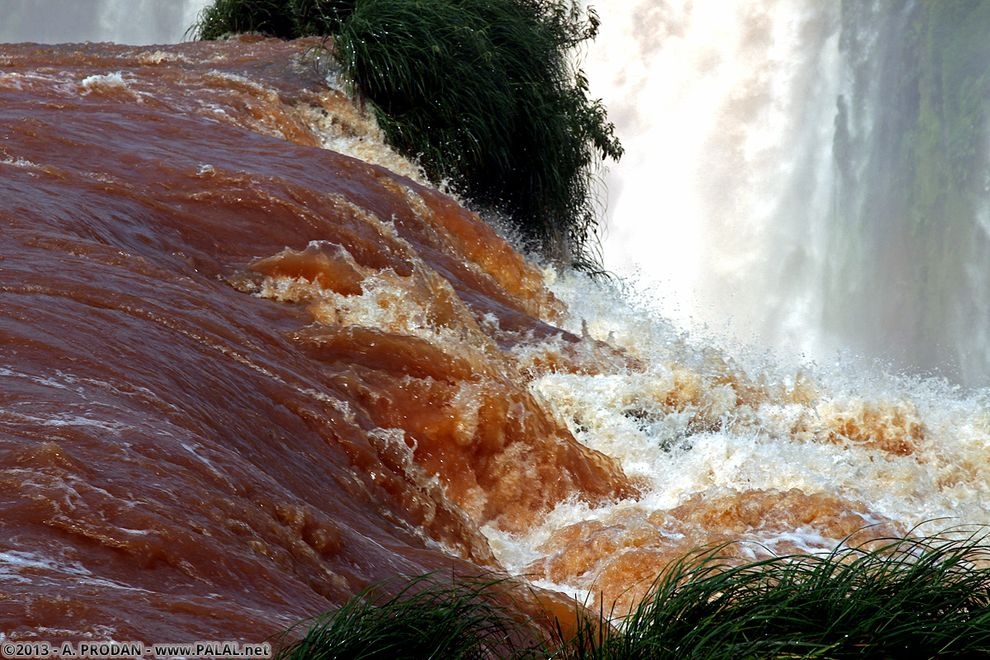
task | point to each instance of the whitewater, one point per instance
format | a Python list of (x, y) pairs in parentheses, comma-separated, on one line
[(708, 400)]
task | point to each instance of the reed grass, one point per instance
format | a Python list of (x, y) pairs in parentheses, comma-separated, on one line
[(224, 17), (919, 598), (425, 619), (485, 94), (894, 598)]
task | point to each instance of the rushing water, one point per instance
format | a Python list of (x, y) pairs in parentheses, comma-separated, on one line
[(244, 376), (250, 364)]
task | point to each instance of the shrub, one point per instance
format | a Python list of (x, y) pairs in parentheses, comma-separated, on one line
[(483, 93)]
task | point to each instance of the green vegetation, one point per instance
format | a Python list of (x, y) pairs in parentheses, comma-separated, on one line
[(919, 598), (271, 17), (483, 93), (426, 619), (285, 19)]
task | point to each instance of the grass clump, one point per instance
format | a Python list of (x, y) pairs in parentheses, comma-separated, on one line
[(426, 619), (919, 598), (895, 598), (223, 17), (285, 19), (320, 17), (483, 93)]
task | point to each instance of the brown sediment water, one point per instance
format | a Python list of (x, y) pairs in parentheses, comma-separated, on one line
[(197, 440), (251, 364)]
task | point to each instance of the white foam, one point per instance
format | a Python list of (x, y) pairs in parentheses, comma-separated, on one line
[(13, 563), (708, 443), (104, 81)]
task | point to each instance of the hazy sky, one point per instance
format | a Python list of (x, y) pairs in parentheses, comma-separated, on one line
[(122, 21)]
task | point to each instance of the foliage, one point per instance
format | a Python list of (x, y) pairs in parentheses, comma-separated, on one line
[(285, 19), (483, 93), (222, 17), (922, 598), (914, 597), (426, 619)]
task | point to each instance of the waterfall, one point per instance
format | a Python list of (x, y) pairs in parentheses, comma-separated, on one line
[(725, 110), (120, 21), (907, 275), (806, 176)]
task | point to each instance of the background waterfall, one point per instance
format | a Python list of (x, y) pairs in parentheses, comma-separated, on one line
[(804, 175), (120, 21), (908, 264)]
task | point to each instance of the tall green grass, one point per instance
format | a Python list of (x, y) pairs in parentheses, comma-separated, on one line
[(223, 17), (896, 598), (285, 19), (485, 94), (918, 598), (425, 619)]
